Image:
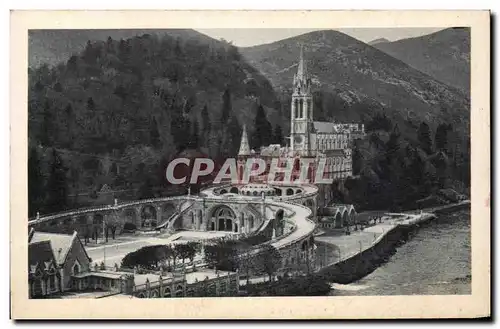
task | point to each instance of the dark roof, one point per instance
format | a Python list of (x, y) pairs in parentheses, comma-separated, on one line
[(61, 243), (39, 253)]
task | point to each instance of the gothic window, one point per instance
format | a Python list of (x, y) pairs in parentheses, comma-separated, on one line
[(301, 108), (296, 108), (309, 108)]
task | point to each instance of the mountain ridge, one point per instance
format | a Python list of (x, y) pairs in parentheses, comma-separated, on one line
[(359, 73), (444, 55)]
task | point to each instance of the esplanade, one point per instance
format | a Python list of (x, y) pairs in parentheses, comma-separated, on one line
[(284, 214)]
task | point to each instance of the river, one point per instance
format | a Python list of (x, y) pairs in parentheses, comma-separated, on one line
[(435, 261)]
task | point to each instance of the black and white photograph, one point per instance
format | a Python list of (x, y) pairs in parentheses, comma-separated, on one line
[(184, 163)]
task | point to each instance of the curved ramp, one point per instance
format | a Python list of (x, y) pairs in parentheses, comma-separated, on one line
[(184, 207)]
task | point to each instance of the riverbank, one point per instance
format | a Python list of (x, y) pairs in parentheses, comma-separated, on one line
[(361, 252), (436, 260), (354, 256)]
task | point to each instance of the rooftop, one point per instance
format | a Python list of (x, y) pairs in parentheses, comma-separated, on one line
[(39, 253), (61, 243)]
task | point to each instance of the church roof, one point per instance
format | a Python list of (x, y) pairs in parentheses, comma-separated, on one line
[(273, 150), (325, 127)]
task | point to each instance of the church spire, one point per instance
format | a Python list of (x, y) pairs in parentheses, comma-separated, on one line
[(244, 147), (302, 69)]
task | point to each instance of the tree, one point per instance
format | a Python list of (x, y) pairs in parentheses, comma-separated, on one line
[(231, 135), (192, 249), (205, 120), (226, 106), (154, 134), (263, 130), (195, 139), (357, 161), (247, 265), (169, 254), (270, 259), (90, 105), (109, 45), (47, 131), (56, 185), (146, 190), (222, 255), (424, 137), (112, 224), (183, 251), (89, 53), (441, 137), (35, 182), (278, 135)]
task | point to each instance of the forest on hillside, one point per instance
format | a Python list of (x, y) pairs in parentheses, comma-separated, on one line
[(118, 112), (394, 172)]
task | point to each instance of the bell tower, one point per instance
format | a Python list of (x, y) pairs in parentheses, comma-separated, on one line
[(302, 110)]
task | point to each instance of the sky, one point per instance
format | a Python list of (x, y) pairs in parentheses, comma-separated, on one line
[(252, 37)]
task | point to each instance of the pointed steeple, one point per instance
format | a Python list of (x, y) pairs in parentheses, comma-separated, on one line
[(244, 146), (301, 80), (302, 69)]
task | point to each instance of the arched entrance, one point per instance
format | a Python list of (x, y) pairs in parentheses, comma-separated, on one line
[(234, 189), (338, 220), (344, 218), (148, 216), (222, 219), (351, 215), (130, 219), (167, 293), (289, 191), (179, 291)]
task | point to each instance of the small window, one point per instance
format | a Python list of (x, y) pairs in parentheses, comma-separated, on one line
[(76, 268)]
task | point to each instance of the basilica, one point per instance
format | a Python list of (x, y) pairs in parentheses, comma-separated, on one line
[(330, 142)]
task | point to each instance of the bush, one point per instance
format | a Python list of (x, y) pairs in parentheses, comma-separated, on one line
[(147, 257)]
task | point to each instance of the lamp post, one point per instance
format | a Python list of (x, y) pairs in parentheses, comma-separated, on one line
[(103, 237)]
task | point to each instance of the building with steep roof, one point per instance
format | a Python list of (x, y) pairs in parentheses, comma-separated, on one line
[(69, 254), (44, 277)]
